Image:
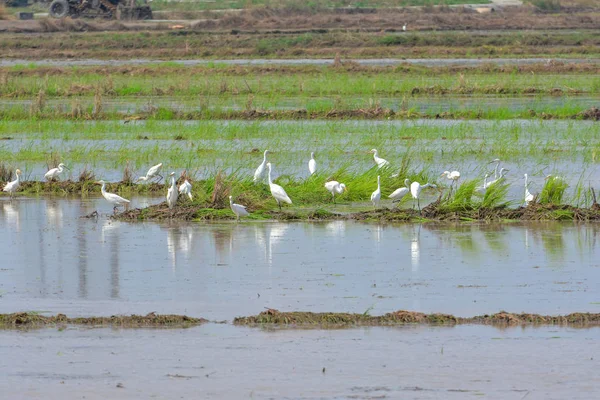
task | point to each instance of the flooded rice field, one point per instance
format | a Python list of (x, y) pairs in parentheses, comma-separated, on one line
[(56, 262)]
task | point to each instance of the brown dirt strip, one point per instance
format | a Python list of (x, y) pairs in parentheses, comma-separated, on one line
[(401, 317), (24, 319)]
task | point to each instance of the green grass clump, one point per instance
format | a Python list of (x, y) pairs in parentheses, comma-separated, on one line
[(553, 191), (495, 196)]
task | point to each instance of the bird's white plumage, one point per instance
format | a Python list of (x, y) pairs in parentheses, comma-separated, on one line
[(312, 164), (260, 171), (399, 193), (335, 187), (482, 188), (497, 162), (503, 172), (55, 172), (186, 189), (112, 198), (172, 193), (277, 191), (381, 162), (376, 195), (152, 173), (453, 176), (238, 209), (11, 187), (528, 195), (415, 191)]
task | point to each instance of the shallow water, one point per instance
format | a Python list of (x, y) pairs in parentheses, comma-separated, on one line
[(55, 261), (222, 361), (429, 62)]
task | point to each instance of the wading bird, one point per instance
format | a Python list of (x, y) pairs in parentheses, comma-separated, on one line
[(11, 187), (454, 176), (238, 209), (503, 172), (497, 162), (415, 191), (312, 164), (481, 189), (528, 195), (172, 193), (277, 191), (55, 172), (335, 187), (153, 172), (376, 195), (186, 189), (398, 194), (112, 198), (404, 28), (260, 171), (381, 162)]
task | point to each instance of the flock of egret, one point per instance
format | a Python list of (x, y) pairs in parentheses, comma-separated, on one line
[(278, 192)]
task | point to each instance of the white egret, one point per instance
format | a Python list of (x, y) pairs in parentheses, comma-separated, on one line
[(172, 193), (277, 191), (312, 164), (398, 194), (481, 189), (415, 191), (376, 195), (55, 172), (497, 161), (112, 198), (238, 209), (528, 195), (11, 187), (503, 172), (153, 172), (186, 188), (404, 28), (335, 187), (381, 162), (454, 176), (260, 171)]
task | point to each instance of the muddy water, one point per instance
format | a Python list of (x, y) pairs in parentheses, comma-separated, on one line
[(55, 261), (222, 361), (430, 62)]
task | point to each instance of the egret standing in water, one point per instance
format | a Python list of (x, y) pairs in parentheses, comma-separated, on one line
[(186, 189), (153, 172), (503, 172), (398, 194), (381, 162), (277, 191), (238, 209), (55, 172), (11, 187), (260, 171), (415, 191), (335, 187), (172, 193), (376, 195), (528, 195), (312, 164), (112, 198)]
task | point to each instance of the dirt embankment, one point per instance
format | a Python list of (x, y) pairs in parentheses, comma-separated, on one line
[(23, 319), (503, 318)]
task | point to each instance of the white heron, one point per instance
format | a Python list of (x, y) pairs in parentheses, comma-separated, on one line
[(335, 187), (528, 195), (55, 172), (376, 195), (454, 176), (238, 209), (172, 193), (153, 172), (11, 187), (186, 189), (260, 171), (277, 191), (112, 198), (415, 191), (404, 28), (481, 189), (312, 164), (381, 162), (497, 161), (398, 194), (503, 172)]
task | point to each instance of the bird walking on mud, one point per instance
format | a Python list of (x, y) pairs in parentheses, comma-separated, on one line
[(11, 187), (399, 193), (172, 193), (238, 209), (55, 172), (112, 198), (277, 191), (415, 191), (153, 172), (376, 195), (186, 189), (335, 187)]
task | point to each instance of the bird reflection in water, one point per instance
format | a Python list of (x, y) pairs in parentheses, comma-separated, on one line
[(11, 214), (179, 239)]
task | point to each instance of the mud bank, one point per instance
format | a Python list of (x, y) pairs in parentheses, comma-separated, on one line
[(24, 319)]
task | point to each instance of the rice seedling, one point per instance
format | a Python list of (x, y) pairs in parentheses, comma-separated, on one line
[(553, 191)]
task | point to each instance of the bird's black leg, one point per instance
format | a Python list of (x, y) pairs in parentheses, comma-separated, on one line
[(279, 204)]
